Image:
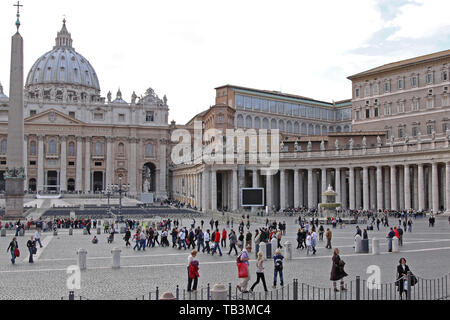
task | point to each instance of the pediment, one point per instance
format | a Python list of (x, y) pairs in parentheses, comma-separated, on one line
[(52, 116)]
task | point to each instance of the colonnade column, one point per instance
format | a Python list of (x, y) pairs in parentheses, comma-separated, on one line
[(205, 189), (234, 190), (296, 188), (79, 167), (300, 189), (324, 184), (407, 187), (310, 189), (435, 187), (393, 188), (109, 164), (213, 190), (282, 189), (132, 166), (337, 179), (40, 172), (379, 188), (358, 189), (373, 188), (351, 188), (447, 188), (366, 188)]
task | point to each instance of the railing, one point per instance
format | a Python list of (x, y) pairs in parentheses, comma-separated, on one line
[(357, 289)]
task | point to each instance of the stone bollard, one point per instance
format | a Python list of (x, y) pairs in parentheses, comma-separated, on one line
[(274, 243), (3, 234), (99, 231), (358, 240), (82, 258), (122, 230), (219, 292), (70, 232), (262, 248), (168, 296), (395, 245), (55, 232), (288, 250), (116, 258), (85, 231), (365, 246), (375, 246)]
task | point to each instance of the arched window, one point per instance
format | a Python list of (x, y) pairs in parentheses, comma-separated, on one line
[(33, 148), (310, 130), (98, 148), (324, 130), (257, 123), (317, 131), (281, 125), (296, 128), (121, 148), (149, 150), (52, 147), (338, 129), (3, 146), (346, 128), (273, 124), (240, 121), (71, 149), (304, 129), (248, 122), (265, 123), (331, 129), (289, 126)]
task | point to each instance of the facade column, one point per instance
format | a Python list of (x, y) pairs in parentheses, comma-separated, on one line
[(213, 190), (282, 189), (234, 191), (366, 195), (79, 165), (352, 203), (387, 193), (163, 168), (40, 172), (132, 166), (301, 197), (296, 188), (415, 189), (109, 164), (337, 188), (401, 188), (407, 187), (324, 185), (87, 165), (344, 190), (310, 189), (393, 188), (435, 186), (63, 163), (379, 188), (255, 179)]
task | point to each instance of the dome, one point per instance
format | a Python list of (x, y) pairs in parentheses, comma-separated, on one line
[(63, 66)]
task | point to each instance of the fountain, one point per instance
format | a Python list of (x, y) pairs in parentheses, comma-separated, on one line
[(330, 206)]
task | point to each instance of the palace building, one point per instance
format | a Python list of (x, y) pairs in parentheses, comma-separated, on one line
[(386, 148)]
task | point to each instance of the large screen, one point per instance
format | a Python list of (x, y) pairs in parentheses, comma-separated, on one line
[(252, 197)]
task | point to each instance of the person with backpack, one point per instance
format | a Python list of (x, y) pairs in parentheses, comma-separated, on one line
[(243, 266), (259, 272), (233, 241), (31, 245), (13, 246), (278, 268), (127, 238)]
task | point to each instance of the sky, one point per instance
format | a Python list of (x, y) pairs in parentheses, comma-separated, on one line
[(185, 49)]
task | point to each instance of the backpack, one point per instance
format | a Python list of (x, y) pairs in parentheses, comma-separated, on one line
[(278, 263)]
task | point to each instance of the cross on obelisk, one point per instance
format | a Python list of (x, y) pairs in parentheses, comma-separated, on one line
[(18, 5), (15, 171)]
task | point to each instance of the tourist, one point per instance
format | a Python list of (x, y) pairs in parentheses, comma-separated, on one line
[(241, 240), (200, 240), (137, 239), (207, 240), (410, 223), (321, 232), (257, 240), (217, 243), (390, 236), (279, 240), (400, 235), (260, 272), (127, 237), (37, 237), (233, 241), (182, 239), (244, 258), (223, 242), (313, 240), (328, 236), (308, 243), (18, 227), (402, 274), (278, 268), (95, 240), (337, 271), (248, 241), (31, 244), (365, 236), (13, 246), (299, 239), (192, 269)]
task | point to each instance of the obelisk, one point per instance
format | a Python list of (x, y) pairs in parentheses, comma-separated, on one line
[(15, 173)]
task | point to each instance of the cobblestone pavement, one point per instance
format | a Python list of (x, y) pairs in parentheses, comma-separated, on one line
[(426, 249)]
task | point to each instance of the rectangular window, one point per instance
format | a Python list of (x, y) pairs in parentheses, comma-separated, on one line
[(376, 112), (121, 117), (444, 76), (288, 109), (280, 107), (401, 107), (376, 89), (388, 134), (401, 132), (415, 105), (255, 103), (247, 102), (296, 109), (72, 114), (32, 113), (430, 103), (239, 101), (366, 91), (149, 116), (98, 116), (414, 81), (357, 92), (415, 131), (32, 163), (273, 106), (401, 84), (387, 110), (367, 113), (71, 164), (98, 164), (445, 101), (445, 127), (387, 87), (357, 115), (430, 78), (430, 129), (265, 105)]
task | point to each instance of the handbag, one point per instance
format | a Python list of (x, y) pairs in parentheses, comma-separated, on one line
[(17, 253), (34, 250), (242, 270)]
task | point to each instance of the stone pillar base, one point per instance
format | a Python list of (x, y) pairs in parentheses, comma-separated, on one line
[(14, 197)]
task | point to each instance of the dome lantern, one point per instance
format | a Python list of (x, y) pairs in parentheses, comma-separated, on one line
[(63, 38)]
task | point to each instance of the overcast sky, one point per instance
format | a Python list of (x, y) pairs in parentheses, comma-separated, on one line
[(186, 48)]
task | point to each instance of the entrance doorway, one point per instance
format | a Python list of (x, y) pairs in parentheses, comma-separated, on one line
[(52, 181), (98, 181), (71, 185)]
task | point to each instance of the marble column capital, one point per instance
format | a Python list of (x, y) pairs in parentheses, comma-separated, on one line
[(63, 138), (40, 136)]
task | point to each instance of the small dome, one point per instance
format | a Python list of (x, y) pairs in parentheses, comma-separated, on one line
[(119, 99), (63, 66)]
